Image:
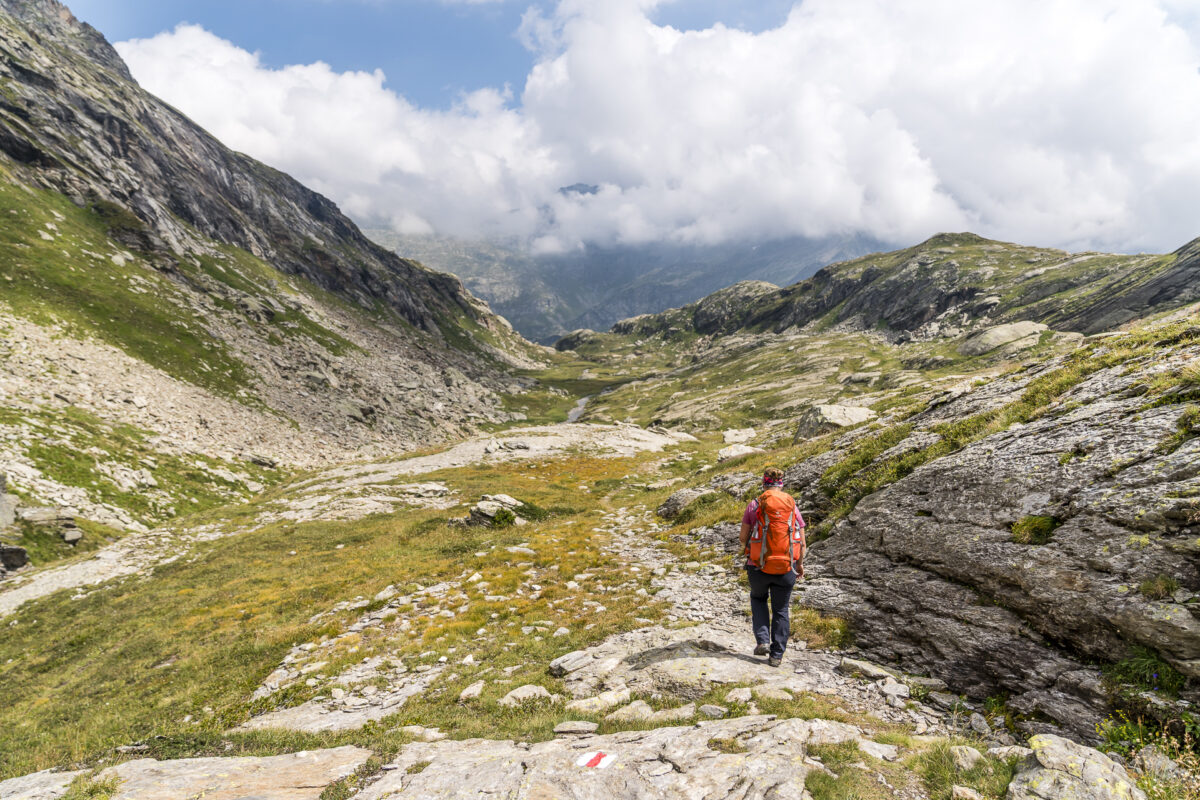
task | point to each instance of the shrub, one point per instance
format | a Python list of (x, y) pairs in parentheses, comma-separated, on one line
[(1160, 587), (504, 518), (1034, 529)]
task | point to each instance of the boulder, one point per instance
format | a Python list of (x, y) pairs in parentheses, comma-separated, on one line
[(529, 693), (738, 435), (859, 668), (570, 662), (736, 451), (1017, 335), (965, 758), (636, 711), (1060, 769), (674, 505), (601, 702), (575, 728), (44, 785), (489, 506), (296, 776), (8, 507), (680, 714), (822, 419), (12, 557)]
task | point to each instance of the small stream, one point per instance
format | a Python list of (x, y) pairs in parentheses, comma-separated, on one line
[(575, 413)]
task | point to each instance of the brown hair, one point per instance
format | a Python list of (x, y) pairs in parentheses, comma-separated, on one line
[(772, 475)]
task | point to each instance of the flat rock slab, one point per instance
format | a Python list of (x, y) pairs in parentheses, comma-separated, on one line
[(686, 663), (675, 762), (297, 776), (45, 785), (318, 716)]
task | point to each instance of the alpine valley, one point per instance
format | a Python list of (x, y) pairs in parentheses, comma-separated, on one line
[(286, 515)]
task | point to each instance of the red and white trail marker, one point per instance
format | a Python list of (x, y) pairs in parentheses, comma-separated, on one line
[(595, 760)]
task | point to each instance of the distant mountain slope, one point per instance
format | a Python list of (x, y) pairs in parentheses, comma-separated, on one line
[(72, 113), (213, 304), (953, 283), (546, 296)]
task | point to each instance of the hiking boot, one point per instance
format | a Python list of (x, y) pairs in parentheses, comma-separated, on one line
[(762, 649), (774, 661)]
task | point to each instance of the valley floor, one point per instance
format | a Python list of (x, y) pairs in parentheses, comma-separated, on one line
[(614, 631)]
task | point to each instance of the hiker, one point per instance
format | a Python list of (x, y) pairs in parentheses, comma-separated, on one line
[(773, 538)]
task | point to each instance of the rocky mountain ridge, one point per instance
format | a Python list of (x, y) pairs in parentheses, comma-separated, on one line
[(945, 286), (544, 296)]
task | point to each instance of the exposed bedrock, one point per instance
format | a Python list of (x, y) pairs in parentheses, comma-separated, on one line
[(932, 576)]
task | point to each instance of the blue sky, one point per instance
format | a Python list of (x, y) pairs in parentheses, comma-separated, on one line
[(430, 51), (1067, 123)]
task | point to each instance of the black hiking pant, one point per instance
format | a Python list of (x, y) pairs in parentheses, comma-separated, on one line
[(773, 626)]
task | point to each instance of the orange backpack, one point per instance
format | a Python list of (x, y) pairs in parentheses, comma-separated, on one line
[(776, 540)]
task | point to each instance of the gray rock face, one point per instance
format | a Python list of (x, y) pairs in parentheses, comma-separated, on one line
[(665, 762), (725, 309), (821, 419), (1060, 768), (1012, 336), (130, 148), (928, 571)]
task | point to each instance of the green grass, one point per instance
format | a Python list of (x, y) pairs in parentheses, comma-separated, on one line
[(45, 546), (89, 787), (71, 279), (1146, 670), (73, 444), (990, 777), (131, 660)]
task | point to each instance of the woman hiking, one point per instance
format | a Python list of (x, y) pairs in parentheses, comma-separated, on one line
[(773, 538)]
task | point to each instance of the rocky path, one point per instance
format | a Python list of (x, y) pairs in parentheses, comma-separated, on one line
[(712, 751), (707, 644)]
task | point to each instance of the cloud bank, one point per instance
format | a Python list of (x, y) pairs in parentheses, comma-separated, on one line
[(1055, 122)]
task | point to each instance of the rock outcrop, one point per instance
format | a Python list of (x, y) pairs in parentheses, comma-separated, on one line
[(1059, 768), (936, 573)]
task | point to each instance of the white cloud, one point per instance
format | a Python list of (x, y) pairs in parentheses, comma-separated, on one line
[(1066, 122)]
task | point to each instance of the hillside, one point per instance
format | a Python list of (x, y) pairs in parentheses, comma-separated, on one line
[(176, 315), (951, 284), (544, 296)]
